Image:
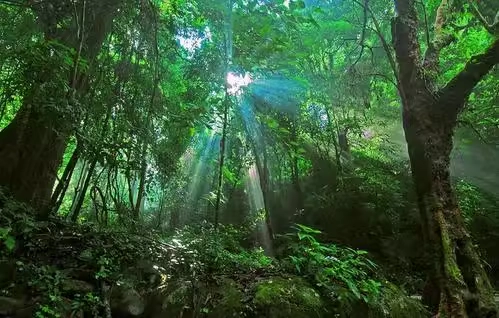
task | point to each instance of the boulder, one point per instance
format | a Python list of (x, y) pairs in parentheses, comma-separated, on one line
[(126, 302), (9, 305), (7, 272), (77, 286), (278, 297)]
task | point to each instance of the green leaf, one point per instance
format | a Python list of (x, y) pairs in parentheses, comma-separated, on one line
[(10, 243), (229, 175), (4, 231), (307, 229), (353, 288)]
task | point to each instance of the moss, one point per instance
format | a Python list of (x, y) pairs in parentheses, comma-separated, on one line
[(395, 303), (228, 300), (178, 295), (450, 262), (287, 297)]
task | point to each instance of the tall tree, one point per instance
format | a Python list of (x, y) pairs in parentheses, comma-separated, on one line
[(33, 144), (430, 115)]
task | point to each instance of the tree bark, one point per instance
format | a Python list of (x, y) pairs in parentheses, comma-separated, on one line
[(429, 118), (142, 184), (62, 186), (455, 269), (263, 173), (33, 144), (75, 212), (31, 150)]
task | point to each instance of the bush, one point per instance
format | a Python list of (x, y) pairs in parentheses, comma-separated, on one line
[(343, 274), (218, 250)]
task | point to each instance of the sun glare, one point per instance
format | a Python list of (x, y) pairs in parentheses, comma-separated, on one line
[(192, 40), (236, 82)]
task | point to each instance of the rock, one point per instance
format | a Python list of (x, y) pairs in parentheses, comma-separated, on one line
[(227, 299), (126, 301), (220, 298), (10, 305), (86, 255), (77, 286), (7, 271), (278, 297), (171, 301), (83, 274)]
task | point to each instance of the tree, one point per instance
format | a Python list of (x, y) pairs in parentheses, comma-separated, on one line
[(430, 116), (33, 144)]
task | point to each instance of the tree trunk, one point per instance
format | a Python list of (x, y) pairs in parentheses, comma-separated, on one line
[(31, 150), (430, 116), (62, 186), (75, 212), (295, 171), (263, 172), (33, 144), (456, 271), (174, 219), (142, 183)]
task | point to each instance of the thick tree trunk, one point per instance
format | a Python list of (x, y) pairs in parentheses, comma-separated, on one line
[(31, 150), (33, 144), (430, 116), (456, 271)]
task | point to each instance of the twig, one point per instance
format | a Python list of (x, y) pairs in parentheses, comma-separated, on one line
[(491, 28), (81, 35), (427, 28), (477, 132), (363, 34)]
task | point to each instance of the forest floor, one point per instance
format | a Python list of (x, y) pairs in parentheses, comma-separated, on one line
[(57, 269)]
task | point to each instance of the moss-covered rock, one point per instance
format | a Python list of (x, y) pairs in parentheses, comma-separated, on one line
[(287, 297), (220, 298), (227, 299)]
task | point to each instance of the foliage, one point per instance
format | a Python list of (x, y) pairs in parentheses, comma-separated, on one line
[(343, 273), (394, 303), (281, 297), (7, 239), (207, 249), (314, 137), (473, 201)]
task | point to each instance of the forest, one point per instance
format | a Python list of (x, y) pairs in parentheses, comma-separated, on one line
[(249, 158)]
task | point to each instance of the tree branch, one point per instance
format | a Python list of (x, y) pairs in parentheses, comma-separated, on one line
[(477, 132), (441, 40), (14, 3), (363, 34), (491, 28), (427, 27), (386, 47), (457, 91), (405, 42)]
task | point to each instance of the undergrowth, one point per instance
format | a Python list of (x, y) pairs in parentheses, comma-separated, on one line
[(59, 269)]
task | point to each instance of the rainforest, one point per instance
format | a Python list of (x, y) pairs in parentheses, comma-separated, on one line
[(249, 158)]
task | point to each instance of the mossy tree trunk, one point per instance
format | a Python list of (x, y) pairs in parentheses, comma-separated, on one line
[(33, 144), (430, 116)]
